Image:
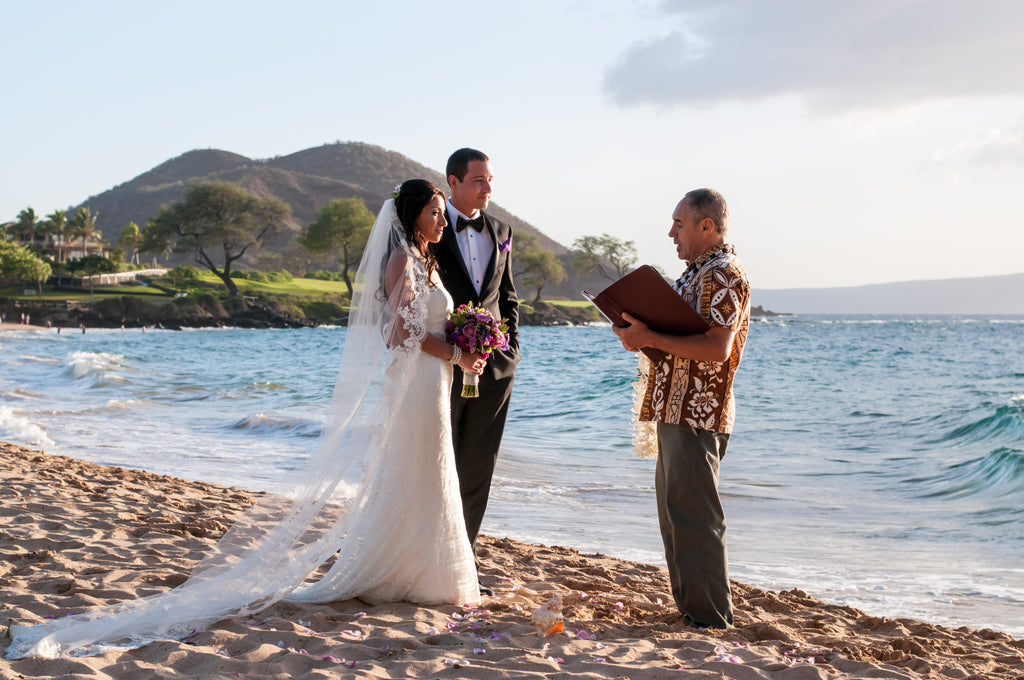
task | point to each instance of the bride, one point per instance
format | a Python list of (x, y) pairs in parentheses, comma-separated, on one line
[(375, 512)]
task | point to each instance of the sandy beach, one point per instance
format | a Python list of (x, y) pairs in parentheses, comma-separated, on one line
[(9, 326), (76, 535)]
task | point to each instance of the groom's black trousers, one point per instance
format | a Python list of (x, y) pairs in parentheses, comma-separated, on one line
[(477, 426)]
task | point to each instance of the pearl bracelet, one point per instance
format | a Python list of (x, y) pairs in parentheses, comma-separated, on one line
[(456, 354)]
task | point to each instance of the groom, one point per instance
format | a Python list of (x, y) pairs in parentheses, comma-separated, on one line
[(475, 262)]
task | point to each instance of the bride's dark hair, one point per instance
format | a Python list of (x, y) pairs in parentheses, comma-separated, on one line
[(413, 196)]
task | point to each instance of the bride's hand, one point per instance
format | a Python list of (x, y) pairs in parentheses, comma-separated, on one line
[(474, 363)]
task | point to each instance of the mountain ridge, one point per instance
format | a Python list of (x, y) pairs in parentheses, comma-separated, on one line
[(305, 180), (996, 294)]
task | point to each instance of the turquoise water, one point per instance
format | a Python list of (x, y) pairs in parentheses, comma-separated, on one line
[(876, 462)]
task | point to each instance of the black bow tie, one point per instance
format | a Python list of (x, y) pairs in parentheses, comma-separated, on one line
[(477, 223)]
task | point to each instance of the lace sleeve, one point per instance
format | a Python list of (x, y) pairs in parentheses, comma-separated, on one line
[(405, 312)]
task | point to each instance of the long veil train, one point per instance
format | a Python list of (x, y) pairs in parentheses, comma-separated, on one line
[(288, 534)]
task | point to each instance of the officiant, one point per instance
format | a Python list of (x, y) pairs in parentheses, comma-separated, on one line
[(688, 398)]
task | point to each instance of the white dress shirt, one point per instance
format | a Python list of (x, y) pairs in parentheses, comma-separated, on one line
[(476, 248)]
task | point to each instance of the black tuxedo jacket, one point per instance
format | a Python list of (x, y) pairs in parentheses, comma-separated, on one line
[(497, 292)]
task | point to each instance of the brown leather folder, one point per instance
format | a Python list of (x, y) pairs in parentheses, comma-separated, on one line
[(645, 294)]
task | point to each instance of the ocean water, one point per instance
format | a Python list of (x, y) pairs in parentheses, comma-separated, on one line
[(876, 462)]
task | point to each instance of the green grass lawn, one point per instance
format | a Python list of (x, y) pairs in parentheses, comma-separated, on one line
[(301, 287), (297, 287), (51, 294), (568, 303)]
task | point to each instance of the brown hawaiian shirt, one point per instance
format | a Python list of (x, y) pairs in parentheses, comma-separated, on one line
[(699, 393)]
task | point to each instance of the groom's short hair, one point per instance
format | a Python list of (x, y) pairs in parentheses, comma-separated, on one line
[(458, 162)]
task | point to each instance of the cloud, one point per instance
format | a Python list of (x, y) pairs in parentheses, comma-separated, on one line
[(993, 147), (837, 56)]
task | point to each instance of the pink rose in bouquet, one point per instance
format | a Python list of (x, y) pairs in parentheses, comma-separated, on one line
[(475, 330)]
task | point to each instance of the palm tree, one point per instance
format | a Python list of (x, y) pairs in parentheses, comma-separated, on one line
[(131, 238), (56, 224), (25, 227), (83, 226)]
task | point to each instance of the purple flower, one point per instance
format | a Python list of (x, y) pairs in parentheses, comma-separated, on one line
[(506, 245)]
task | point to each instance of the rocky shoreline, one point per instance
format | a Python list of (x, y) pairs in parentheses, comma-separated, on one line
[(208, 310)]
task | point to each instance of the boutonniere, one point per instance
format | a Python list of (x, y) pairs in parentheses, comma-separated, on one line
[(506, 246)]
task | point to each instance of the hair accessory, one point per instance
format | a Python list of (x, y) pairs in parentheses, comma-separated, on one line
[(397, 190)]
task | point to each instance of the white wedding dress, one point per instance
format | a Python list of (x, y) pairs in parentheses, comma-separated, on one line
[(410, 536), (374, 513)]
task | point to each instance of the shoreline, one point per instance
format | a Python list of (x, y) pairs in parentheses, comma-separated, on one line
[(81, 534)]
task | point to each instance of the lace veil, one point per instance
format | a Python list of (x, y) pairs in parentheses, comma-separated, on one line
[(277, 545)]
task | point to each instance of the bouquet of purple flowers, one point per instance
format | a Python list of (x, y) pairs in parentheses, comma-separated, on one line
[(475, 330)]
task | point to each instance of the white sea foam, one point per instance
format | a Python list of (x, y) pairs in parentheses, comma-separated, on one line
[(19, 429), (84, 364), (22, 394), (42, 360)]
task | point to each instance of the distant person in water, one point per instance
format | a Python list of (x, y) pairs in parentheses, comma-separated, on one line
[(688, 398)]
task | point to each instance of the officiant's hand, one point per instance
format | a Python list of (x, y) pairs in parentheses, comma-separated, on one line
[(633, 337), (473, 363)]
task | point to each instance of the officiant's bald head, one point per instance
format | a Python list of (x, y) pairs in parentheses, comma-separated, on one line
[(708, 204)]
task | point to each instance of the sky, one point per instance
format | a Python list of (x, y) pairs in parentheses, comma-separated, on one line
[(855, 142)]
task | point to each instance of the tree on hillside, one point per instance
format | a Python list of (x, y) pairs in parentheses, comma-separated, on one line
[(342, 227), (83, 226), (18, 264), (611, 257), (56, 223), (130, 239), (534, 267), (218, 223)]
